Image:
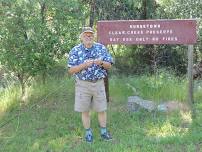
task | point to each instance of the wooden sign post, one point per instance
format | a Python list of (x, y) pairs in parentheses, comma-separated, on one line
[(151, 32), (190, 78)]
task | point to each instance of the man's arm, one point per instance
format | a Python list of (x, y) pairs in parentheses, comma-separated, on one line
[(78, 68), (104, 64)]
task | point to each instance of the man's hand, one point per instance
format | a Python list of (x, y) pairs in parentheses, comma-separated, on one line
[(80, 67), (98, 62), (103, 64), (88, 63)]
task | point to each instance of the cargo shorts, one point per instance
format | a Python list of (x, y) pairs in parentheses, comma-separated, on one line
[(90, 96)]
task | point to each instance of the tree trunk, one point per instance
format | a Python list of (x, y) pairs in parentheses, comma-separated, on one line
[(92, 13), (23, 89), (43, 6), (22, 83), (144, 9), (44, 77)]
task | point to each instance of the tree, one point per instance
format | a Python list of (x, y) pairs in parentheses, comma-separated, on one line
[(35, 34), (185, 9)]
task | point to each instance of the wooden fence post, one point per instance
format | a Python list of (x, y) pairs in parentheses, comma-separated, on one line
[(190, 79)]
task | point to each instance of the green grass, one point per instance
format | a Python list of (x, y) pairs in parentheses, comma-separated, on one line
[(48, 123)]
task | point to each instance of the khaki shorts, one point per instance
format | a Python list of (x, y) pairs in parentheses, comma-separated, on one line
[(90, 95)]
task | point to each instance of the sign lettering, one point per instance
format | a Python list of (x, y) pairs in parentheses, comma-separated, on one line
[(147, 32)]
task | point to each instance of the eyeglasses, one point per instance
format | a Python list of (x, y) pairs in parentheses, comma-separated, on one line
[(88, 35)]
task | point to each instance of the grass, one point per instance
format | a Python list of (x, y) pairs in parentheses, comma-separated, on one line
[(47, 122)]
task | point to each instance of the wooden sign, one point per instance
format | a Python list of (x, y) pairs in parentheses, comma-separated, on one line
[(147, 32)]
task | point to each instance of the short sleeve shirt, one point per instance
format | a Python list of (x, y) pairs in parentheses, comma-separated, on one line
[(79, 54)]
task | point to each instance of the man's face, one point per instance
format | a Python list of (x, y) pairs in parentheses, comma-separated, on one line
[(87, 38)]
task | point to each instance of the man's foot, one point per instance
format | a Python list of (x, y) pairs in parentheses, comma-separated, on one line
[(106, 136), (89, 136)]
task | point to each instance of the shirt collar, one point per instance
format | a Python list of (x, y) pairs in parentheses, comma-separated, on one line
[(87, 49)]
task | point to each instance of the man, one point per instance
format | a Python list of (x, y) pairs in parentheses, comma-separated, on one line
[(88, 62)]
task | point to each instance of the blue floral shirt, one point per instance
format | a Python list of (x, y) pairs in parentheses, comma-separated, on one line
[(79, 54)]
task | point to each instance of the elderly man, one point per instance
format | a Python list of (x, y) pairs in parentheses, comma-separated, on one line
[(88, 62)]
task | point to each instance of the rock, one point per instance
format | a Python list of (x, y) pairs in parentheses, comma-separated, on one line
[(162, 107), (135, 103), (172, 106)]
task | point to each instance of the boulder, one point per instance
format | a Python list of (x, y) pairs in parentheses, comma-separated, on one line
[(135, 103)]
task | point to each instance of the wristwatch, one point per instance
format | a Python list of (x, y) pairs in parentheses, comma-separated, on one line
[(102, 63)]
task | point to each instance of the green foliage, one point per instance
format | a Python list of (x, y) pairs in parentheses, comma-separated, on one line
[(10, 98), (162, 86), (36, 34), (139, 59), (184, 9), (117, 10)]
